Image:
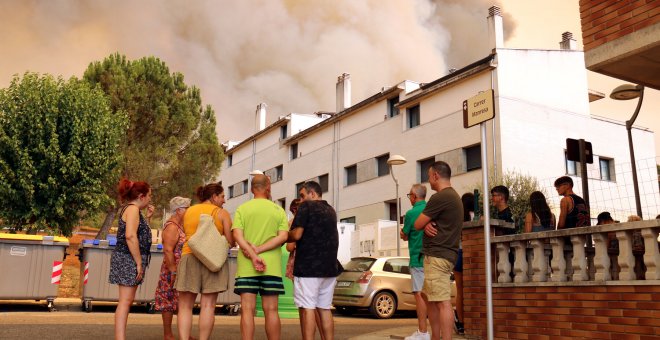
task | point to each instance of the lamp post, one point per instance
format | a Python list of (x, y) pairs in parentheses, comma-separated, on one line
[(397, 160), (627, 92)]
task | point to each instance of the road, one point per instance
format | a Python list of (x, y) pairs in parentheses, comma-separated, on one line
[(25, 320)]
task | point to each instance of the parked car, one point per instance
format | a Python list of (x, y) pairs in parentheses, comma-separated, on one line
[(382, 285)]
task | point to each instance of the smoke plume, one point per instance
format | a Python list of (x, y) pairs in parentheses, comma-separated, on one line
[(286, 53)]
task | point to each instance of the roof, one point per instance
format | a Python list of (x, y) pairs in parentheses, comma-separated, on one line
[(281, 121)]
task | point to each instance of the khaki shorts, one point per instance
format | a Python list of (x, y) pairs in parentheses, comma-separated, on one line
[(437, 272), (192, 276)]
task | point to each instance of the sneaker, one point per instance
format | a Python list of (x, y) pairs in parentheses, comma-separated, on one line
[(419, 336), (458, 326)]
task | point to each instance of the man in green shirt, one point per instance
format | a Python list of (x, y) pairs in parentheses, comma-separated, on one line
[(417, 196), (260, 228)]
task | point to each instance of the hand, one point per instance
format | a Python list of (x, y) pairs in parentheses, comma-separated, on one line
[(402, 235), (172, 278), (430, 230), (246, 253), (140, 273), (150, 210), (259, 264)]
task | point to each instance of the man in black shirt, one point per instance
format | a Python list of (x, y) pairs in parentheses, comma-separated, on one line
[(499, 197), (315, 270)]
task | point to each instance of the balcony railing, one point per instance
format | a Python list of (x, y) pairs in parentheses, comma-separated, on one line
[(580, 255)]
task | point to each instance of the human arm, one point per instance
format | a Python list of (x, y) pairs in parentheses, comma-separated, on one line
[(170, 238), (226, 227), (529, 220), (554, 222), (290, 246), (257, 262), (563, 211), (408, 225), (295, 234), (272, 243), (424, 222), (132, 218)]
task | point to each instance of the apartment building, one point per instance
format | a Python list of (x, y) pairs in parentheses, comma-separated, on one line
[(541, 99)]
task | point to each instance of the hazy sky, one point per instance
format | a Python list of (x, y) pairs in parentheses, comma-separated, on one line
[(286, 53)]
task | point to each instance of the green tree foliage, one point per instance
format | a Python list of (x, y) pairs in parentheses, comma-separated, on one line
[(520, 187), (171, 141), (58, 142)]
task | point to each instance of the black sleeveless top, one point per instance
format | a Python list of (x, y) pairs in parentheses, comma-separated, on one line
[(143, 234), (579, 215)]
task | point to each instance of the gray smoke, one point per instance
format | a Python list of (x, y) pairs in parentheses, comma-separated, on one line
[(285, 53)]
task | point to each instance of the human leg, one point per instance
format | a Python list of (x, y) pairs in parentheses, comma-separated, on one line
[(458, 276), (437, 290), (273, 326), (248, 302), (326, 323), (446, 319), (167, 325), (126, 297), (185, 314), (421, 312), (308, 323), (319, 323), (207, 314)]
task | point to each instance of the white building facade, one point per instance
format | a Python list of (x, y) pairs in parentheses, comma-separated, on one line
[(541, 99)]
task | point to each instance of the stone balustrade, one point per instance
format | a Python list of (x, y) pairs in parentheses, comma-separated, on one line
[(579, 255)]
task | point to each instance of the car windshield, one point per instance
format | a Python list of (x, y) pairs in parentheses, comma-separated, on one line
[(359, 264)]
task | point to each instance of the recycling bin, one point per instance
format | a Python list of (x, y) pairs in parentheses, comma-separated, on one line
[(95, 268), (95, 261), (31, 267)]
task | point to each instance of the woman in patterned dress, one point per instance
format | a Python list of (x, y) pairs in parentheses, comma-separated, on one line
[(131, 256), (173, 239)]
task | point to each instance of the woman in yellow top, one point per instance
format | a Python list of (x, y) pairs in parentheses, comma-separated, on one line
[(193, 277)]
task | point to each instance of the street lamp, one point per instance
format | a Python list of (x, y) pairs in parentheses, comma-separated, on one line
[(627, 92), (397, 160)]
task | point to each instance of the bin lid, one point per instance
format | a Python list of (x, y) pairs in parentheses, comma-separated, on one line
[(38, 238)]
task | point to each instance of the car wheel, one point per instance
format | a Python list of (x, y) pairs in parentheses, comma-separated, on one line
[(383, 305), (345, 310)]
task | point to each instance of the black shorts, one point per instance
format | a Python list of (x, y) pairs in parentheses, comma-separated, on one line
[(262, 285)]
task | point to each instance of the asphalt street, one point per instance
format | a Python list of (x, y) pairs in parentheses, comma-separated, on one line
[(29, 320)]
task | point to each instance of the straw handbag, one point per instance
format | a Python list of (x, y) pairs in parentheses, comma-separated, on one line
[(208, 245)]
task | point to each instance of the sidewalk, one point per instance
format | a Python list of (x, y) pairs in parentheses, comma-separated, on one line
[(394, 333)]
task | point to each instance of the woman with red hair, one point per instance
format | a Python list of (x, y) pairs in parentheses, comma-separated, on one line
[(131, 256)]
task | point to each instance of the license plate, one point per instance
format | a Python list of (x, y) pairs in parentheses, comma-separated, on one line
[(343, 284)]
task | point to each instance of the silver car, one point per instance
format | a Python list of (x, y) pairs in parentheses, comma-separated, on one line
[(383, 285)]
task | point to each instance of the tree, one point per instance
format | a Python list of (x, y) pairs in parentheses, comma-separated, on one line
[(170, 141), (520, 187), (58, 142)]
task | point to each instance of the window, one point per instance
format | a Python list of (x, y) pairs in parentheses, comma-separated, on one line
[(391, 210), (400, 266), (231, 191), (323, 182), (391, 109), (348, 220), (230, 160), (413, 116), (294, 151), (283, 132), (245, 186), (571, 166), (351, 174), (282, 203), (298, 187), (606, 169), (383, 167), (424, 166), (279, 173), (472, 157)]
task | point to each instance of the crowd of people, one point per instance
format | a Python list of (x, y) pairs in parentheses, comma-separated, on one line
[(260, 227)]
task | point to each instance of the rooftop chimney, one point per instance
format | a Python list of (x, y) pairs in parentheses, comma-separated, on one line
[(495, 28), (567, 42), (343, 92), (260, 121)]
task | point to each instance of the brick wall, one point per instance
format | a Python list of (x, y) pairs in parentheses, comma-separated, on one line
[(607, 20), (555, 311)]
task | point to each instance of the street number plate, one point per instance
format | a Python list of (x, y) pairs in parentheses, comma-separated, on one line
[(343, 284)]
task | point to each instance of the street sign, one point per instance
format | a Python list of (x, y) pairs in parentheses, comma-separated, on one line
[(573, 151), (479, 108)]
